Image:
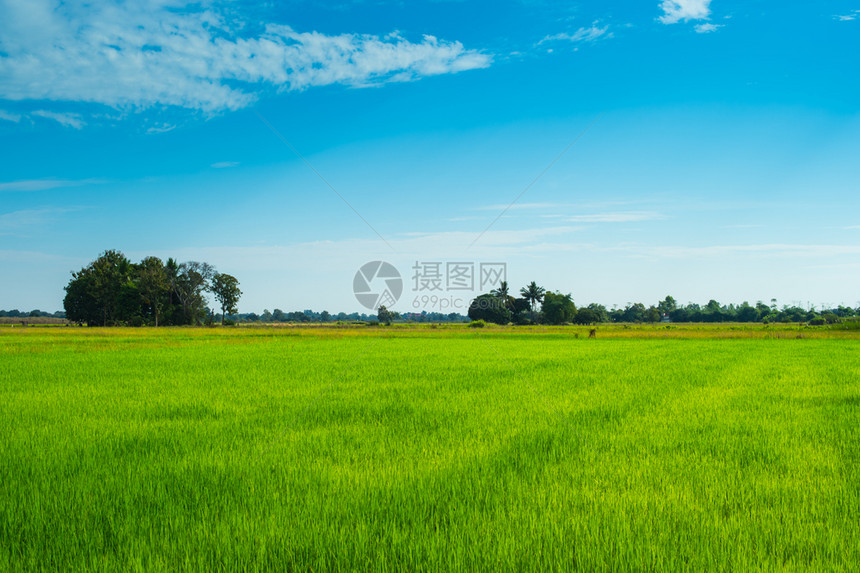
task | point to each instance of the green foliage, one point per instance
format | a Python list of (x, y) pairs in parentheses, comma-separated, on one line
[(477, 324), (533, 294), (113, 291), (225, 288), (557, 308), (489, 308), (587, 315), (384, 315)]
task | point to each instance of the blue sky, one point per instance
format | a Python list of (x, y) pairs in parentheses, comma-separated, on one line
[(715, 153)]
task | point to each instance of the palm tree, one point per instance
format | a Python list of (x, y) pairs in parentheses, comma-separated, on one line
[(504, 293), (533, 294)]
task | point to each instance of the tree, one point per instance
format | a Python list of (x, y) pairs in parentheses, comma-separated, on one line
[(586, 315), (667, 305), (93, 293), (521, 311), (634, 313), (503, 293), (384, 315), (152, 284), (225, 288), (653, 314), (489, 308), (557, 308), (79, 303), (279, 315), (503, 290), (188, 282), (600, 311), (128, 305), (534, 294), (747, 313)]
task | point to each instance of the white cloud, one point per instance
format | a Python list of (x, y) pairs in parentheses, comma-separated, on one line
[(65, 119), (8, 116), (686, 10), (847, 17), (590, 34), (168, 52), (162, 128), (707, 28), (45, 184), (224, 164), (618, 217)]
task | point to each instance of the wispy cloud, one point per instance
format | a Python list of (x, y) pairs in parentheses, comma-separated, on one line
[(224, 164), (65, 119), (44, 184), (161, 128), (619, 217), (847, 17), (193, 55), (520, 206), (8, 116), (707, 28), (779, 250), (590, 34), (17, 221), (684, 10)]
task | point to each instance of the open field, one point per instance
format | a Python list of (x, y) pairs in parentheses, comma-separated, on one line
[(424, 449)]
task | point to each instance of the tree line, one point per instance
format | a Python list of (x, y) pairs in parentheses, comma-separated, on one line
[(113, 291), (501, 307), (35, 313)]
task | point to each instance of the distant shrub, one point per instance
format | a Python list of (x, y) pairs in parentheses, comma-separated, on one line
[(818, 321), (477, 324), (830, 317), (848, 325), (228, 322)]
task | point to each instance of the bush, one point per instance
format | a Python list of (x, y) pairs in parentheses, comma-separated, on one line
[(228, 322), (477, 324)]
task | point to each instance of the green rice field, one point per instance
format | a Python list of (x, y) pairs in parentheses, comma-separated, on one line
[(719, 448)]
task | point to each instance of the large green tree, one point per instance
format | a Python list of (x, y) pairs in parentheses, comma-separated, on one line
[(93, 294), (557, 308), (188, 283), (79, 303), (489, 308), (152, 282), (225, 288)]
